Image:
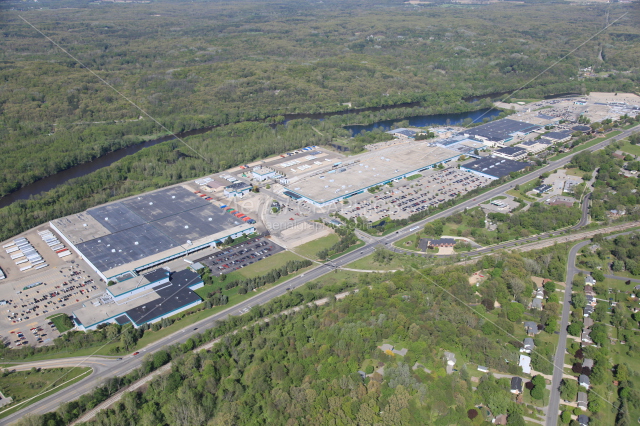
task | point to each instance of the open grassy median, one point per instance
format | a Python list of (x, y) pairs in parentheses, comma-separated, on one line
[(36, 384)]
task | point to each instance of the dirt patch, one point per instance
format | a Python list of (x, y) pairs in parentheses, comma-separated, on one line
[(476, 278), (446, 250), (304, 232)]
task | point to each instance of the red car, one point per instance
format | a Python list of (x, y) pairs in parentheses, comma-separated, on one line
[(135, 353)]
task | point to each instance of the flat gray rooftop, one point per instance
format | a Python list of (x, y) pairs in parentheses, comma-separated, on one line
[(501, 129), (364, 170), (146, 225)]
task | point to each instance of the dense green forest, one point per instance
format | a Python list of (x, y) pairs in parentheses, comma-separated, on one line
[(302, 368), (612, 190), (212, 63)]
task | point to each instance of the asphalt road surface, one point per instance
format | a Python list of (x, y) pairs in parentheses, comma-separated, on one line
[(558, 360), (129, 363)]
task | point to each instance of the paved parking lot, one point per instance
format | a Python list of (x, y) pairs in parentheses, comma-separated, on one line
[(237, 257), (409, 197), (29, 301), (28, 298)]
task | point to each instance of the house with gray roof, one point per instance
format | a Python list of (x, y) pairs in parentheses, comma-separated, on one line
[(528, 345), (584, 381), (583, 400), (531, 328)]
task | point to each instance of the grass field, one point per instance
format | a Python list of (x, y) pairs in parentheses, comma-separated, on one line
[(414, 177), (311, 248), (452, 229), (586, 145), (409, 239), (631, 149), (22, 385), (58, 320), (266, 265), (575, 172), (367, 263)]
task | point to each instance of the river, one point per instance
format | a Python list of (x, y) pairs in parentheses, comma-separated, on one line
[(427, 120), (51, 182)]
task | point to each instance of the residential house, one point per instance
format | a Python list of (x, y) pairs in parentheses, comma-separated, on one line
[(584, 381), (589, 280), (483, 369), (528, 345), (583, 420), (591, 300), (450, 359), (587, 362), (588, 310), (588, 322), (588, 289), (531, 328), (586, 336), (583, 400), (516, 385), (525, 363), (538, 295), (536, 304)]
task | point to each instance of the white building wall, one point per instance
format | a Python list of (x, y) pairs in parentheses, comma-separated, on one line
[(100, 274)]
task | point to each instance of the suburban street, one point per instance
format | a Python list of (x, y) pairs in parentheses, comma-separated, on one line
[(105, 367), (558, 360)]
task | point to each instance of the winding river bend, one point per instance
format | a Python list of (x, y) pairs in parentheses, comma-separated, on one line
[(50, 182)]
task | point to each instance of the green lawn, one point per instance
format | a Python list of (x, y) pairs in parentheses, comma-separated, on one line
[(22, 385), (311, 248), (414, 177), (452, 229), (575, 172), (266, 265), (631, 149), (402, 243), (367, 263), (59, 322), (335, 277), (517, 194), (617, 285), (586, 145)]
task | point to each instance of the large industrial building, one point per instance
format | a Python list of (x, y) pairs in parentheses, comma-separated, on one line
[(122, 238), (494, 167), (500, 132), (342, 180), (140, 300)]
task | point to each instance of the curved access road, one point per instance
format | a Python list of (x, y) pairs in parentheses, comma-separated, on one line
[(130, 362), (584, 220)]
